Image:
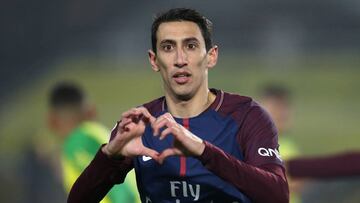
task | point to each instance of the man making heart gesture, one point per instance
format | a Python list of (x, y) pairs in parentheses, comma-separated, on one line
[(195, 144)]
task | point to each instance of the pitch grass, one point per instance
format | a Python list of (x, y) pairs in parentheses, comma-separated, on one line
[(325, 98)]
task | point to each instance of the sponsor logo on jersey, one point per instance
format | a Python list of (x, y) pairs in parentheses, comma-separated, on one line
[(184, 189), (268, 152), (146, 158)]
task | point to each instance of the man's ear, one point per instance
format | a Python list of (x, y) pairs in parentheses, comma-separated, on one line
[(51, 120), (212, 56), (152, 60)]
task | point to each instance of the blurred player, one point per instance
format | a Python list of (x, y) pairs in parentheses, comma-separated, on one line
[(276, 100), (195, 144), (71, 116)]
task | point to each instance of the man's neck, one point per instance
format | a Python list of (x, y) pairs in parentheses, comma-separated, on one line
[(192, 107)]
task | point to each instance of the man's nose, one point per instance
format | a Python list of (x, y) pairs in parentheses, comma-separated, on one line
[(181, 58)]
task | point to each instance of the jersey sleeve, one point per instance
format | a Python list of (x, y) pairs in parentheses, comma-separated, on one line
[(258, 138), (260, 176)]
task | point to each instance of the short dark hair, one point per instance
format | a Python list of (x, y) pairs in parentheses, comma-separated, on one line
[(183, 14), (276, 90), (66, 94)]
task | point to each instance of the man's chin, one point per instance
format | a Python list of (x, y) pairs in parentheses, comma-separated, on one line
[(185, 95)]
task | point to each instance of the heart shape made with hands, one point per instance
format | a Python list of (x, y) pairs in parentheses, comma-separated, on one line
[(130, 129)]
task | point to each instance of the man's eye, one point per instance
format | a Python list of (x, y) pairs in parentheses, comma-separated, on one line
[(167, 47), (191, 46)]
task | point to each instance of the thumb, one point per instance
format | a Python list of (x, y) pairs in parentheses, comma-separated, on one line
[(168, 152), (151, 153)]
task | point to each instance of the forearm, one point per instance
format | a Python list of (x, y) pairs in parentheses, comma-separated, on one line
[(341, 165), (98, 178), (266, 184)]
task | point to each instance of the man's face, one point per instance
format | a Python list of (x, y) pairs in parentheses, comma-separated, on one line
[(182, 59), (62, 122), (280, 112)]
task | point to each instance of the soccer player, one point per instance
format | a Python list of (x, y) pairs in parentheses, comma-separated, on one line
[(72, 117), (276, 99), (195, 144)]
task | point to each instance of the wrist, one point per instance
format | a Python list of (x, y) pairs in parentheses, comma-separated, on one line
[(106, 151), (200, 149)]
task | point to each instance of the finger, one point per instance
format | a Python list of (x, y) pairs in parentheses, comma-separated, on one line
[(159, 119), (169, 116), (174, 126), (151, 153), (168, 152), (137, 114), (128, 113), (146, 114), (124, 122), (129, 127), (124, 127), (167, 131), (166, 116), (133, 114), (159, 123)]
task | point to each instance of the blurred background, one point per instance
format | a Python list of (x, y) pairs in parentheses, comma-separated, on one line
[(311, 47)]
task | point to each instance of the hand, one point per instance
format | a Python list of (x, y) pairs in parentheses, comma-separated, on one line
[(127, 141), (185, 143)]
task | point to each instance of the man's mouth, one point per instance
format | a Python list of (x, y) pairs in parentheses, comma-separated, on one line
[(182, 78)]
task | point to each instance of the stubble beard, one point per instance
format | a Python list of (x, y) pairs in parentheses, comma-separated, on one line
[(182, 96)]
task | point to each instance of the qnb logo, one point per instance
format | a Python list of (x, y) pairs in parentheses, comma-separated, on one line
[(269, 152)]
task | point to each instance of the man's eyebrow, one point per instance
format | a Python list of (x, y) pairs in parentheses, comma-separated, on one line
[(167, 41), (186, 40), (191, 39)]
